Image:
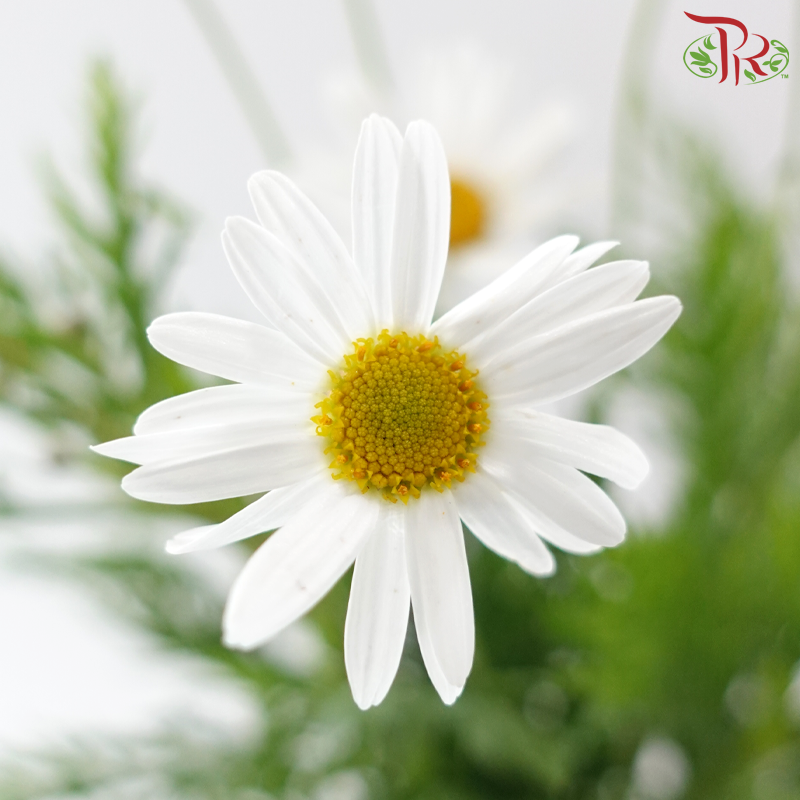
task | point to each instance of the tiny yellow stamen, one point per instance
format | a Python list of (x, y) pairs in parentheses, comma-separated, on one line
[(402, 414)]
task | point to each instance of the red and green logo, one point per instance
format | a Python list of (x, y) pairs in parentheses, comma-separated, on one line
[(729, 49)]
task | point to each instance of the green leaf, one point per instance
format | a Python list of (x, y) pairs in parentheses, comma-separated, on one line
[(778, 46), (707, 70), (700, 55), (750, 75), (707, 43)]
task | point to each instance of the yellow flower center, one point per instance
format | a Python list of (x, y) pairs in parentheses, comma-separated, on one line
[(402, 414), (467, 213)]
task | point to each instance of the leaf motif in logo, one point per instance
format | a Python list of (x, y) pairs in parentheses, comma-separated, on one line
[(750, 75), (697, 60)]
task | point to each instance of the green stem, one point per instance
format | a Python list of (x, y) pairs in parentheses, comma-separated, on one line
[(633, 111), (369, 43), (242, 80)]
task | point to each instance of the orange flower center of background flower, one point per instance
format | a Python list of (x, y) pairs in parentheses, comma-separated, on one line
[(467, 213), (401, 415)]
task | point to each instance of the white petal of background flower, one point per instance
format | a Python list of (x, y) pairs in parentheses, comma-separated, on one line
[(377, 613), (499, 145)]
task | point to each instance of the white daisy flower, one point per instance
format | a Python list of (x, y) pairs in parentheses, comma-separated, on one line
[(504, 193), (376, 432)]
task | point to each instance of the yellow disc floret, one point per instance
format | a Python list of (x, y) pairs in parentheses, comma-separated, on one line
[(402, 414), (467, 213)]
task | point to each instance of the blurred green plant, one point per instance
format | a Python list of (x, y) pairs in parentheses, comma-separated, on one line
[(73, 346), (687, 636)]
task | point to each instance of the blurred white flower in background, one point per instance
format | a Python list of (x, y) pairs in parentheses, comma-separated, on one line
[(661, 770), (791, 698), (501, 151)]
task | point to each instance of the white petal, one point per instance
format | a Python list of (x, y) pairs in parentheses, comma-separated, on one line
[(578, 262), (287, 213), (598, 449), (560, 493), (578, 355), (285, 290), (271, 511), (188, 445), (235, 350), (234, 473), (222, 405), (449, 692), (503, 296), (377, 614), (614, 284), (489, 515), (439, 578), (297, 565), (421, 229), (375, 177)]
